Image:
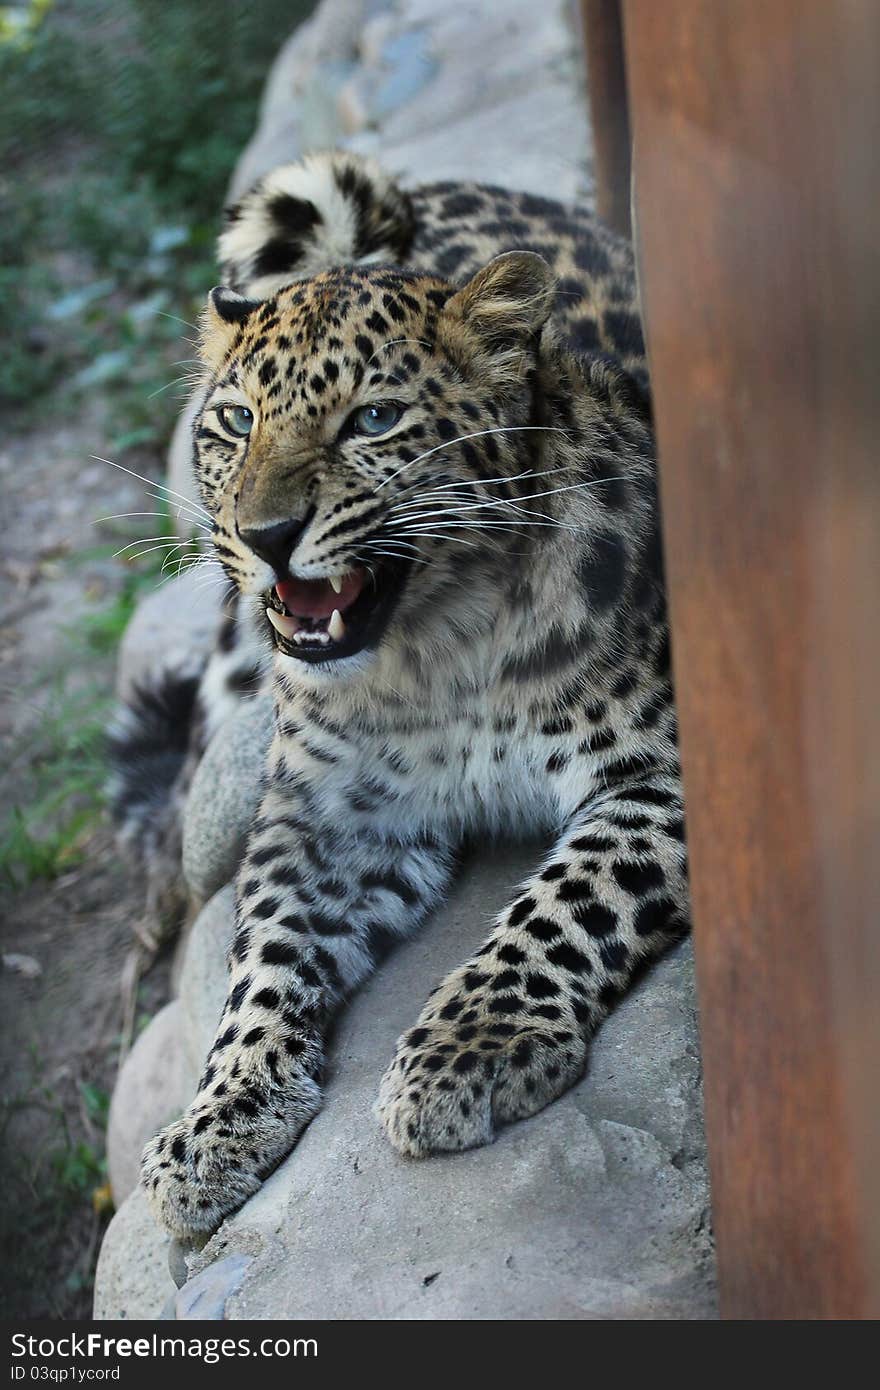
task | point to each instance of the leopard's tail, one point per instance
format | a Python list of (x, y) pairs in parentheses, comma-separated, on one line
[(326, 210)]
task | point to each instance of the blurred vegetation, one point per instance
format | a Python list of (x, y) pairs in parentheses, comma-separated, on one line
[(66, 749), (121, 123), (68, 1173), (122, 120)]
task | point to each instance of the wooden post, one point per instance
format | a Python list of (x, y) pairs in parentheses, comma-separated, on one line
[(609, 114), (758, 190)]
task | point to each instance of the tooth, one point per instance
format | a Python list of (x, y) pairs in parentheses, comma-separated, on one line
[(321, 637), (336, 627), (336, 583), (286, 626)]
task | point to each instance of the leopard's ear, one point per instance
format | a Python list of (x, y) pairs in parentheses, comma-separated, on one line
[(506, 303), (224, 312)]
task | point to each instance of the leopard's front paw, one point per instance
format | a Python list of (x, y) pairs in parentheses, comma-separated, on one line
[(205, 1165), (453, 1080)]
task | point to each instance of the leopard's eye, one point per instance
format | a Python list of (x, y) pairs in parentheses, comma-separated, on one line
[(376, 419), (237, 419)]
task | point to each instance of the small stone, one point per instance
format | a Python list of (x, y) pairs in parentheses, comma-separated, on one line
[(204, 1298), (22, 965), (352, 107)]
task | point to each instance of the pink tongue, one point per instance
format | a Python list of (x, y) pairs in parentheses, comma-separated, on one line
[(316, 598)]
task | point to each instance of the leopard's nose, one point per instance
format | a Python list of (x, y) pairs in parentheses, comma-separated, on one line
[(275, 544)]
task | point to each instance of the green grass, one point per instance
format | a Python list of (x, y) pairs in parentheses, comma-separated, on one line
[(66, 753), (68, 1179)]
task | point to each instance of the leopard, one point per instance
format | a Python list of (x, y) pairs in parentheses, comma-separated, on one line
[(425, 443)]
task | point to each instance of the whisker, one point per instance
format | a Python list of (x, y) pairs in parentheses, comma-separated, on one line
[(439, 535), (147, 540), (399, 555), (121, 516), (168, 546), (176, 382), (180, 561), (511, 526), (181, 513), (454, 517), (409, 511), (185, 322), (529, 496), (486, 482), (475, 434), (151, 482)]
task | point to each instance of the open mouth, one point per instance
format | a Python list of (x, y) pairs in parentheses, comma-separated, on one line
[(327, 619)]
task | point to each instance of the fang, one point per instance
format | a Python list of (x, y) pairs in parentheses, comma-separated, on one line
[(286, 626)]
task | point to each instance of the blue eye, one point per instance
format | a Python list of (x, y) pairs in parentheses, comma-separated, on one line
[(376, 419), (237, 419)]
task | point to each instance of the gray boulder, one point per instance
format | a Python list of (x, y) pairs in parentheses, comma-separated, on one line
[(203, 980), (156, 1082), (173, 628), (224, 796), (132, 1279), (595, 1208)]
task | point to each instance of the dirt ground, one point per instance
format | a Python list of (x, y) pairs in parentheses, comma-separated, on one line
[(68, 1000)]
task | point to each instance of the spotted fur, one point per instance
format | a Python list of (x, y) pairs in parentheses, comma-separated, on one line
[(519, 679)]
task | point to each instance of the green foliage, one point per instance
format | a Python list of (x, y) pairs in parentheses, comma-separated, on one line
[(122, 122), (77, 1168), (96, 1102)]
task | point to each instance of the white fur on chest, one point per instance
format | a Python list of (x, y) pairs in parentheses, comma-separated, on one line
[(456, 776)]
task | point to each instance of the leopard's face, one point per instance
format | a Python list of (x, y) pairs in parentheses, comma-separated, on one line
[(359, 430)]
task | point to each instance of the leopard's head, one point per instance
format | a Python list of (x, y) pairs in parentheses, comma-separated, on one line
[(363, 437)]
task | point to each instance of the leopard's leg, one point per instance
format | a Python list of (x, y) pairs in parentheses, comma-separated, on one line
[(316, 906), (508, 1031)]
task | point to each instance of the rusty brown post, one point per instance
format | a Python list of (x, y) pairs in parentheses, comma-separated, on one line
[(609, 116), (757, 180)]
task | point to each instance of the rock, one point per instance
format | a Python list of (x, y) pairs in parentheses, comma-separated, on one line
[(478, 147), (224, 796), (155, 1084), (595, 1208), (177, 1266), (204, 1298), (299, 111), (132, 1279), (203, 979), (173, 628)]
